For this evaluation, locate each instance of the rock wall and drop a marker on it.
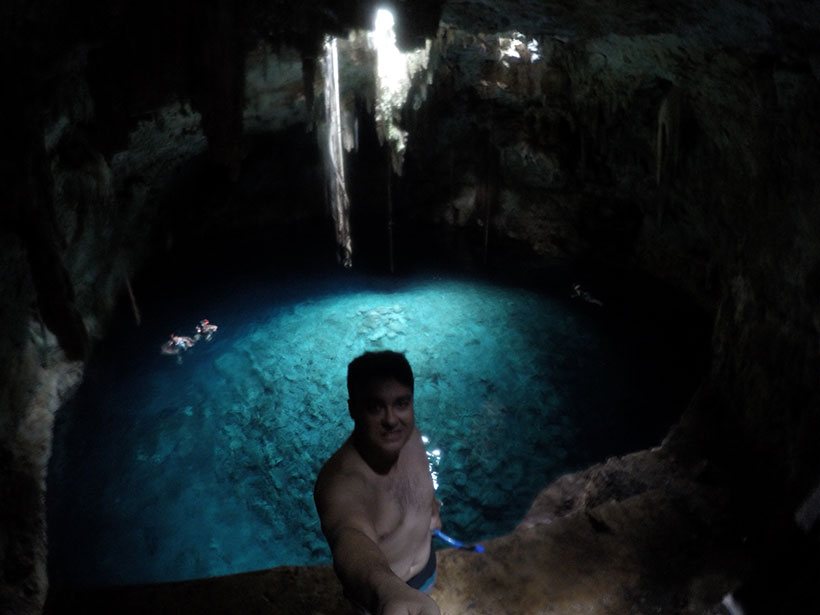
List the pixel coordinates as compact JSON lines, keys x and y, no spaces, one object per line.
{"x":684,"y":148}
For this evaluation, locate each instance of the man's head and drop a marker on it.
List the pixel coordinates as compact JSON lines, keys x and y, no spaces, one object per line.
{"x":373,"y":366}
{"x":380,"y":389}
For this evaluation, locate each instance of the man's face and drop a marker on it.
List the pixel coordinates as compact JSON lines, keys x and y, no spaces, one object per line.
{"x":383,"y":414}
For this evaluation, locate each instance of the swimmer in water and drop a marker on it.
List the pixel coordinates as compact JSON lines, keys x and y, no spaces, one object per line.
{"x":577,"y":292}
{"x":175,"y":344}
{"x":206,"y":328}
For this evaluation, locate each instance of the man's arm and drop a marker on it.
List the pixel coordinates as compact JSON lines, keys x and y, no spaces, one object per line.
{"x":358,"y":561}
{"x":368,"y":579}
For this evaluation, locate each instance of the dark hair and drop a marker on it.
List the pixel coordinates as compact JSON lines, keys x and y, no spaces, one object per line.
{"x":375,"y":366}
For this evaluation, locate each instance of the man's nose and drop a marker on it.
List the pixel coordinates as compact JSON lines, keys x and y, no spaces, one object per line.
{"x":389,"y":417}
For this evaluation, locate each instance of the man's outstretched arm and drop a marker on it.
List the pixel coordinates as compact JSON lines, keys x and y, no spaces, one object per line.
{"x":358,"y":561}
{"x":368,"y":579}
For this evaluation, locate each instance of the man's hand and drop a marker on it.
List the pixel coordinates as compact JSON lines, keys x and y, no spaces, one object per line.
{"x":411,"y":602}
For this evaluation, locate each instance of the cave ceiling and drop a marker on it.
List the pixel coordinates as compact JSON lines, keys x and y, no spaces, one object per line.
{"x":140,"y":56}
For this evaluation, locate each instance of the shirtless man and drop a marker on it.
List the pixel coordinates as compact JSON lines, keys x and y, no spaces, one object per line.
{"x":375,"y":496}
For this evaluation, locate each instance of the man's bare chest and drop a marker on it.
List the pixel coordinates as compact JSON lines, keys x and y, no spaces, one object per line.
{"x":402,"y":499}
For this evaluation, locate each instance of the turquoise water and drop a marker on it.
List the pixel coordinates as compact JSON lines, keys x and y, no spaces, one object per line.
{"x":164,"y":470}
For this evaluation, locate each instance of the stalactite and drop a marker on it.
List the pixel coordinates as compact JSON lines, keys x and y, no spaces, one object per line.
{"x":667,"y":145}
{"x":33,"y":194}
{"x":339,"y":199}
{"x":668,"y":137}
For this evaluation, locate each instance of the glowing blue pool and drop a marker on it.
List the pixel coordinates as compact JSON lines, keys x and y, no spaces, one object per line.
{"x":164,"y":471}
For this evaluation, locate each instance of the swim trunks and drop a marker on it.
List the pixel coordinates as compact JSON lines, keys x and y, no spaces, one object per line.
{"x":426,"y":577}
{"x":423,"y":581}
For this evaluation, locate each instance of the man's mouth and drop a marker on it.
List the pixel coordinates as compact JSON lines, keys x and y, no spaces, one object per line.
{"x":392,"y":436}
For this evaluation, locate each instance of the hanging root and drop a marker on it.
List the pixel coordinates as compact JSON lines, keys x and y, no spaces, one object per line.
{"x":668,"y":136}
{"x":134,"y":307}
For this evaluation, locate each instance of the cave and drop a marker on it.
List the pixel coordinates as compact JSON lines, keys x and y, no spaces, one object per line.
{"x":664,"y":155}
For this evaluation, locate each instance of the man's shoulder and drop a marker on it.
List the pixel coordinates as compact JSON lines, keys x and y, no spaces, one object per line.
{"x":340,"y":491}
{"x":343,"y":469}
{"x":415,"y":446}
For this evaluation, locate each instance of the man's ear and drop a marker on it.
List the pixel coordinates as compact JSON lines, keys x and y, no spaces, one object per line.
{"x":350,"y":409}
